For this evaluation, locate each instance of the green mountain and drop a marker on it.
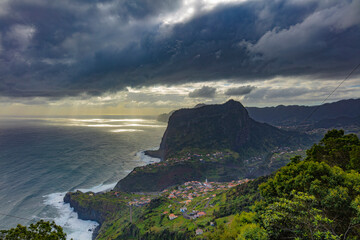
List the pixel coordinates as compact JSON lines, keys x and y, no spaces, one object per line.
{"x":224,"y":126}
{"x":217,"y":142}
{"x":295,"y":114}
{"x":315,"y":198}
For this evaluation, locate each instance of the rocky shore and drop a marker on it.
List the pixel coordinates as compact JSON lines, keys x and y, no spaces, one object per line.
{"x":85,"y":213}
{"x":216,"y":142}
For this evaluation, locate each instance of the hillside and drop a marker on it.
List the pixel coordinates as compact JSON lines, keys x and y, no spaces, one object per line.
{"x":292,"y":115}
{"x":314,"y":198}
{"x":223,"y":126}
{"x":338,"y":122}
{"x":218,"y":142}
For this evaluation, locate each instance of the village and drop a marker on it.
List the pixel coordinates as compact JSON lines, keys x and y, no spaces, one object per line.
{"x":193,"y":200}
{"x":187,"y":192}
{"x":217,"y":156}
{"x":208,"y":157}
{"x":184,"y":199}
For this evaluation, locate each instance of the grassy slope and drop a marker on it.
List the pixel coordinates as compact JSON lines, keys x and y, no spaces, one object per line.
{"x":150,"y":222}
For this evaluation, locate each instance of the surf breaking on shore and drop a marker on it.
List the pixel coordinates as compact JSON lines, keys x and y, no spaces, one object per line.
{"x":76,"y":228}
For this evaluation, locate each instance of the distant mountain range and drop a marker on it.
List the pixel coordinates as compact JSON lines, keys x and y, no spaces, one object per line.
{"x":290,"y":115}
{"x":329,"y":115}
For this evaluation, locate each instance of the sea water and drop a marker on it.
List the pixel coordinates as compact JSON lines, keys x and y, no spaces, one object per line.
{"x":43,"y":158}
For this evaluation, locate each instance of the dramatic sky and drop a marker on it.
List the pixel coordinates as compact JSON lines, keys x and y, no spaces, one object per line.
{"x":152,"y":56}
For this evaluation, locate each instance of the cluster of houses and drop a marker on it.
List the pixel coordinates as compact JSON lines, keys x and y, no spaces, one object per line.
{"x":194,"y":214}
{"x":186,"y":157}
{"x":188,"y":215}
{"x":189,"y":190}
{"x":193,"y":189}
{"x":200,"y":157}
{"x":140,"y":202}
{"x":282,"y":151}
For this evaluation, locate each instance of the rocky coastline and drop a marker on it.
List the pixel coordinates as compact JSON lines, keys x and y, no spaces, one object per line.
{"x":85,"y":213}
{"x":215,"y":142}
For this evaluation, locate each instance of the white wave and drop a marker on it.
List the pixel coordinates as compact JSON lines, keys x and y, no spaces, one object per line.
{"x":99,"y":188}
{"x":145,"y":158}
{"x":75,"y":228}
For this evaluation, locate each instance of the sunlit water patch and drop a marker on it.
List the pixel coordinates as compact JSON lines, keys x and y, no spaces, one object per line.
{"x":48,"y":157}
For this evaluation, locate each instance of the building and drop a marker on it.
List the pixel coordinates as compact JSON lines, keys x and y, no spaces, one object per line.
{"x":200,"y":214}
{"x":199,"y":231}
{"x":172,"y":216}
{"x":183,"y":209}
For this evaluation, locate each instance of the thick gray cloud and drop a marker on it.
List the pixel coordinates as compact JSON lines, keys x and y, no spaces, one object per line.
{"x":282,"y":93}
{"x":204,"y":92}
{"x":67,"y":48}
{"x":239,"y":91}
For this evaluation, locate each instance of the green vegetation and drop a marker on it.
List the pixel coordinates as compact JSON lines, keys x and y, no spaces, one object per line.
{"x":194,"y":135}
{"x":315,"y":198}
{"x":41,"y":230}
{"x":187,"y":165}
{"x":281,"y":158}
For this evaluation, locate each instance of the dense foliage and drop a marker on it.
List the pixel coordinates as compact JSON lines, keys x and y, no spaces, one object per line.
{"x":41,"y":230}
{"x":317,"y":198}
{"x":241,"y":198}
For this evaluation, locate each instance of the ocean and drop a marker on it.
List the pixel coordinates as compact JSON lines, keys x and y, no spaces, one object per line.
{"x":43,"y":158}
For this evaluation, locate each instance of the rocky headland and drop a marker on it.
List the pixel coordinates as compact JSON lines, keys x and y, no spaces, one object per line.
{"x":219,"y":143}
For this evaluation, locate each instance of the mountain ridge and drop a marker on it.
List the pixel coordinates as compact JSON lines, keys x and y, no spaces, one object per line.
{"x":294,"y":114}
{"x":282,"y":115}
{"x":225,"y":125}
{"x":194,"y":135}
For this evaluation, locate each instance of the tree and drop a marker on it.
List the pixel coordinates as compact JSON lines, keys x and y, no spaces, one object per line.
{"x":337,"y":149}
{"x":322,"y":192}
{"x":41,"y":230}
{"x":297,"y":218}
{"x":242,"y":227}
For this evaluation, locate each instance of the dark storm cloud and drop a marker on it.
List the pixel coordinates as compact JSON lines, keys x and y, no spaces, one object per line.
{"x":66,"y":48}
{"x":283,"y":93}
{"x":239,"y":91}
{"x":204,"y":92}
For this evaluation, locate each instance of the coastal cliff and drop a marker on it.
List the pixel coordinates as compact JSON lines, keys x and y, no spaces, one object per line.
{"x":100,"y":207}
{"x":223,"y":126}
{"x":84,"y":211}
{"x":245,"y":145}
{"x":212,"y":210}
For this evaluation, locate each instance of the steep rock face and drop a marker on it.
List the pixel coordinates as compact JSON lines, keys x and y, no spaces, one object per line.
{"x":207,"y":129}
{"x":225,"y":126}
{"x":84,"y":213}
{"x":96,"y":207}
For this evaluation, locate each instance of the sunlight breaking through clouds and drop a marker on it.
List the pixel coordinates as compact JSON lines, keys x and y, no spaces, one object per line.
{"x":148,"y":57}
{"x":191,"y":8}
